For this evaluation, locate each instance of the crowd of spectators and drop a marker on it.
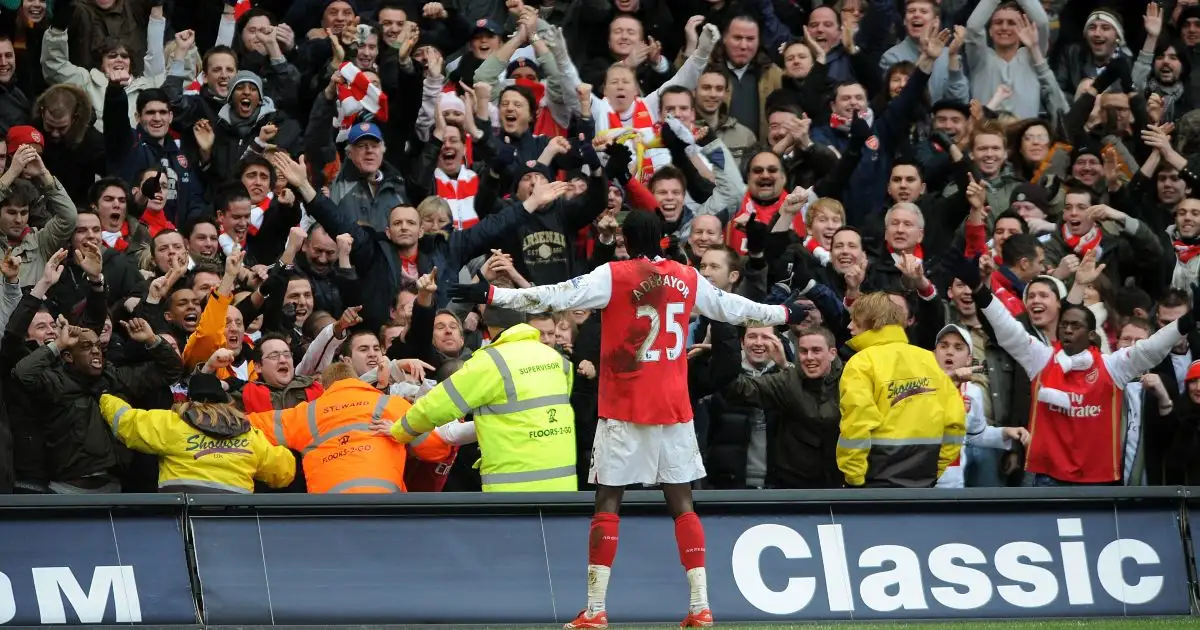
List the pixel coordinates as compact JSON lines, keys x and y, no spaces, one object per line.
{"x":262,"y":189}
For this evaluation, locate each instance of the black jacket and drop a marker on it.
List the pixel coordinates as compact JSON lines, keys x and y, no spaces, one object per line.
{"x":379,"y":265}
{"x":802,"y":431}
{"x":333,"y":290}
{"x":230,"y":145}
{"x":130,"y":151}
{"x":23,"y":416}
{"x":78,"y":440}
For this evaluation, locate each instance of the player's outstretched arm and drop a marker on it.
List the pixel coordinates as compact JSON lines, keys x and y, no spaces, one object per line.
{"x":714,"y":303}
{"x":590,"y":291}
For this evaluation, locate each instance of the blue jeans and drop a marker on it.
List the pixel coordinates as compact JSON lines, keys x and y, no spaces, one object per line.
{"x":983,"y":468}
{"x":1038,"y":480}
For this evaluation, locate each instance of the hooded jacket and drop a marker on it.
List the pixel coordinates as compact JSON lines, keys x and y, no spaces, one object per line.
{"x":903,"y":420}
{"x":193,"y":461}
{"x":78,"y":441}
{"x":236,"y":136}
{"x":78,"y":159}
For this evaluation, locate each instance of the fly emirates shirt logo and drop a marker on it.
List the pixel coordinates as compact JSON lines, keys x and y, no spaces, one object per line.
{"x":1078,"y":409}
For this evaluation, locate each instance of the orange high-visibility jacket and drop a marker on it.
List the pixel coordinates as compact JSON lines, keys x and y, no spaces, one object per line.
{"x":341,"y":455}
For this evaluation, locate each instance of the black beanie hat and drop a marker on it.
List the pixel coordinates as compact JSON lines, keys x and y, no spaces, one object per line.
{"x":206,"y":388}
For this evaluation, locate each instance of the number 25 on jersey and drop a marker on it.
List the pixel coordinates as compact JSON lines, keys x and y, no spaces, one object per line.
{"x":650,"y":350}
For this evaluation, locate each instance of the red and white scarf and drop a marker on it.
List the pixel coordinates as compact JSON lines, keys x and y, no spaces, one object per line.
{"x":918,"y":251}
{"x":356,"y":96}
{"x":1185,"y":251}
{"x":118,"y":240}
{"x":818,"y":252}
{"x":193,"y":88}
{"x":459,"y":193}
{"x":154,"y":220}
{"x":13,"y":242}
{"x":257,"y":212}
{"x":736,"y":239}
{"x":839,"y":122}
{"x":1084,"y":243}
{"x":643,"y":121}
{"x":227,"y":243}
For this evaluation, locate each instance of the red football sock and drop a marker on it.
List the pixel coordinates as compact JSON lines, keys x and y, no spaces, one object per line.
{"x":689,"y":535}
{"x":602,"y":539}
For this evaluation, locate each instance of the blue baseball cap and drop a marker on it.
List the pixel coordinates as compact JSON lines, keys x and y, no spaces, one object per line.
{"x":364,"y":130}
{"x":490,"y":26}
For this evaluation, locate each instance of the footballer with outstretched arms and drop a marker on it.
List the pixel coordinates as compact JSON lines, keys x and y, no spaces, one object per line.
{"x":646,"y":439}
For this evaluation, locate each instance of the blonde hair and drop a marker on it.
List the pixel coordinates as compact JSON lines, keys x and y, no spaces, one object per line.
{"x":192,"y":63}
{"x":874,"y":311}
{"x":432,"y":205}
{"x":827,"y":205}
{"x":338,"y":371}
{"x":203,"y":408}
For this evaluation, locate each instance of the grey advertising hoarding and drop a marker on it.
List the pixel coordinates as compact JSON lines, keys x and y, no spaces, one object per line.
{"x":833,"y":565}
{"x":94,"y":570}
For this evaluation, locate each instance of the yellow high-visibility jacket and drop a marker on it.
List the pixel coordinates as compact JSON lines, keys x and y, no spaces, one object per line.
{"x":191,"y":460}
{"x":903,"y":419}
{"x":519,"y":391}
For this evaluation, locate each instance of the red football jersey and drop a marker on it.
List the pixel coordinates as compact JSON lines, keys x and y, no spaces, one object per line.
{"x":643,"y":342}
{"x":1081,"y":444}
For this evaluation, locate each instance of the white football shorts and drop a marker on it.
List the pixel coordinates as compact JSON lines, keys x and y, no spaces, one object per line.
{"x":626,"y":453}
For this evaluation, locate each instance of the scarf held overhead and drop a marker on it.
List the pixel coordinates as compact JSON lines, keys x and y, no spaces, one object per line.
{"x":356,"y":96}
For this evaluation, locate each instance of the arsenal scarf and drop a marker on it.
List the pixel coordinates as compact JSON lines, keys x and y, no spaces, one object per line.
{"x":193,"y":88}
{"x":154,"y":220}
{"x":1187,"y":248}
{"x":919,"y":252}
{"x":1084,"y":243}
{"x":818,"y":252}
{"x":257,"y":212}
{"x":841,"y":122}
{"x":642,"y":121}
{"x":763,"y":213}
{"x":356,"y":96}
{"x":13,"y":242}
{"x":117,"y":240}
{"x":459,"y":194}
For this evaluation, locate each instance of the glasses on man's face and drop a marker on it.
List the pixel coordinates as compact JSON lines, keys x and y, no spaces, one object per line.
{"x":1036,"y":137}
{"x":117,"y":55}
{"x":275,"y":356}
{"x":759,"y":170}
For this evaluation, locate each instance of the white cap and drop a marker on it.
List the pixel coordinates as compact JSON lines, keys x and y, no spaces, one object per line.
{"x":962,"y":332}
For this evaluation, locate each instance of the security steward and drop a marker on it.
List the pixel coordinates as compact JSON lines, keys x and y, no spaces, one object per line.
{"x":903,"y":419}
{"x":333,"y":433}
{"x":518,"y":390}
{"x":205,"y":444}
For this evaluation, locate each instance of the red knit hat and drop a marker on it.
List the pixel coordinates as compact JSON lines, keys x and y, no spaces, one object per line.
{"x":1193,"y":372}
